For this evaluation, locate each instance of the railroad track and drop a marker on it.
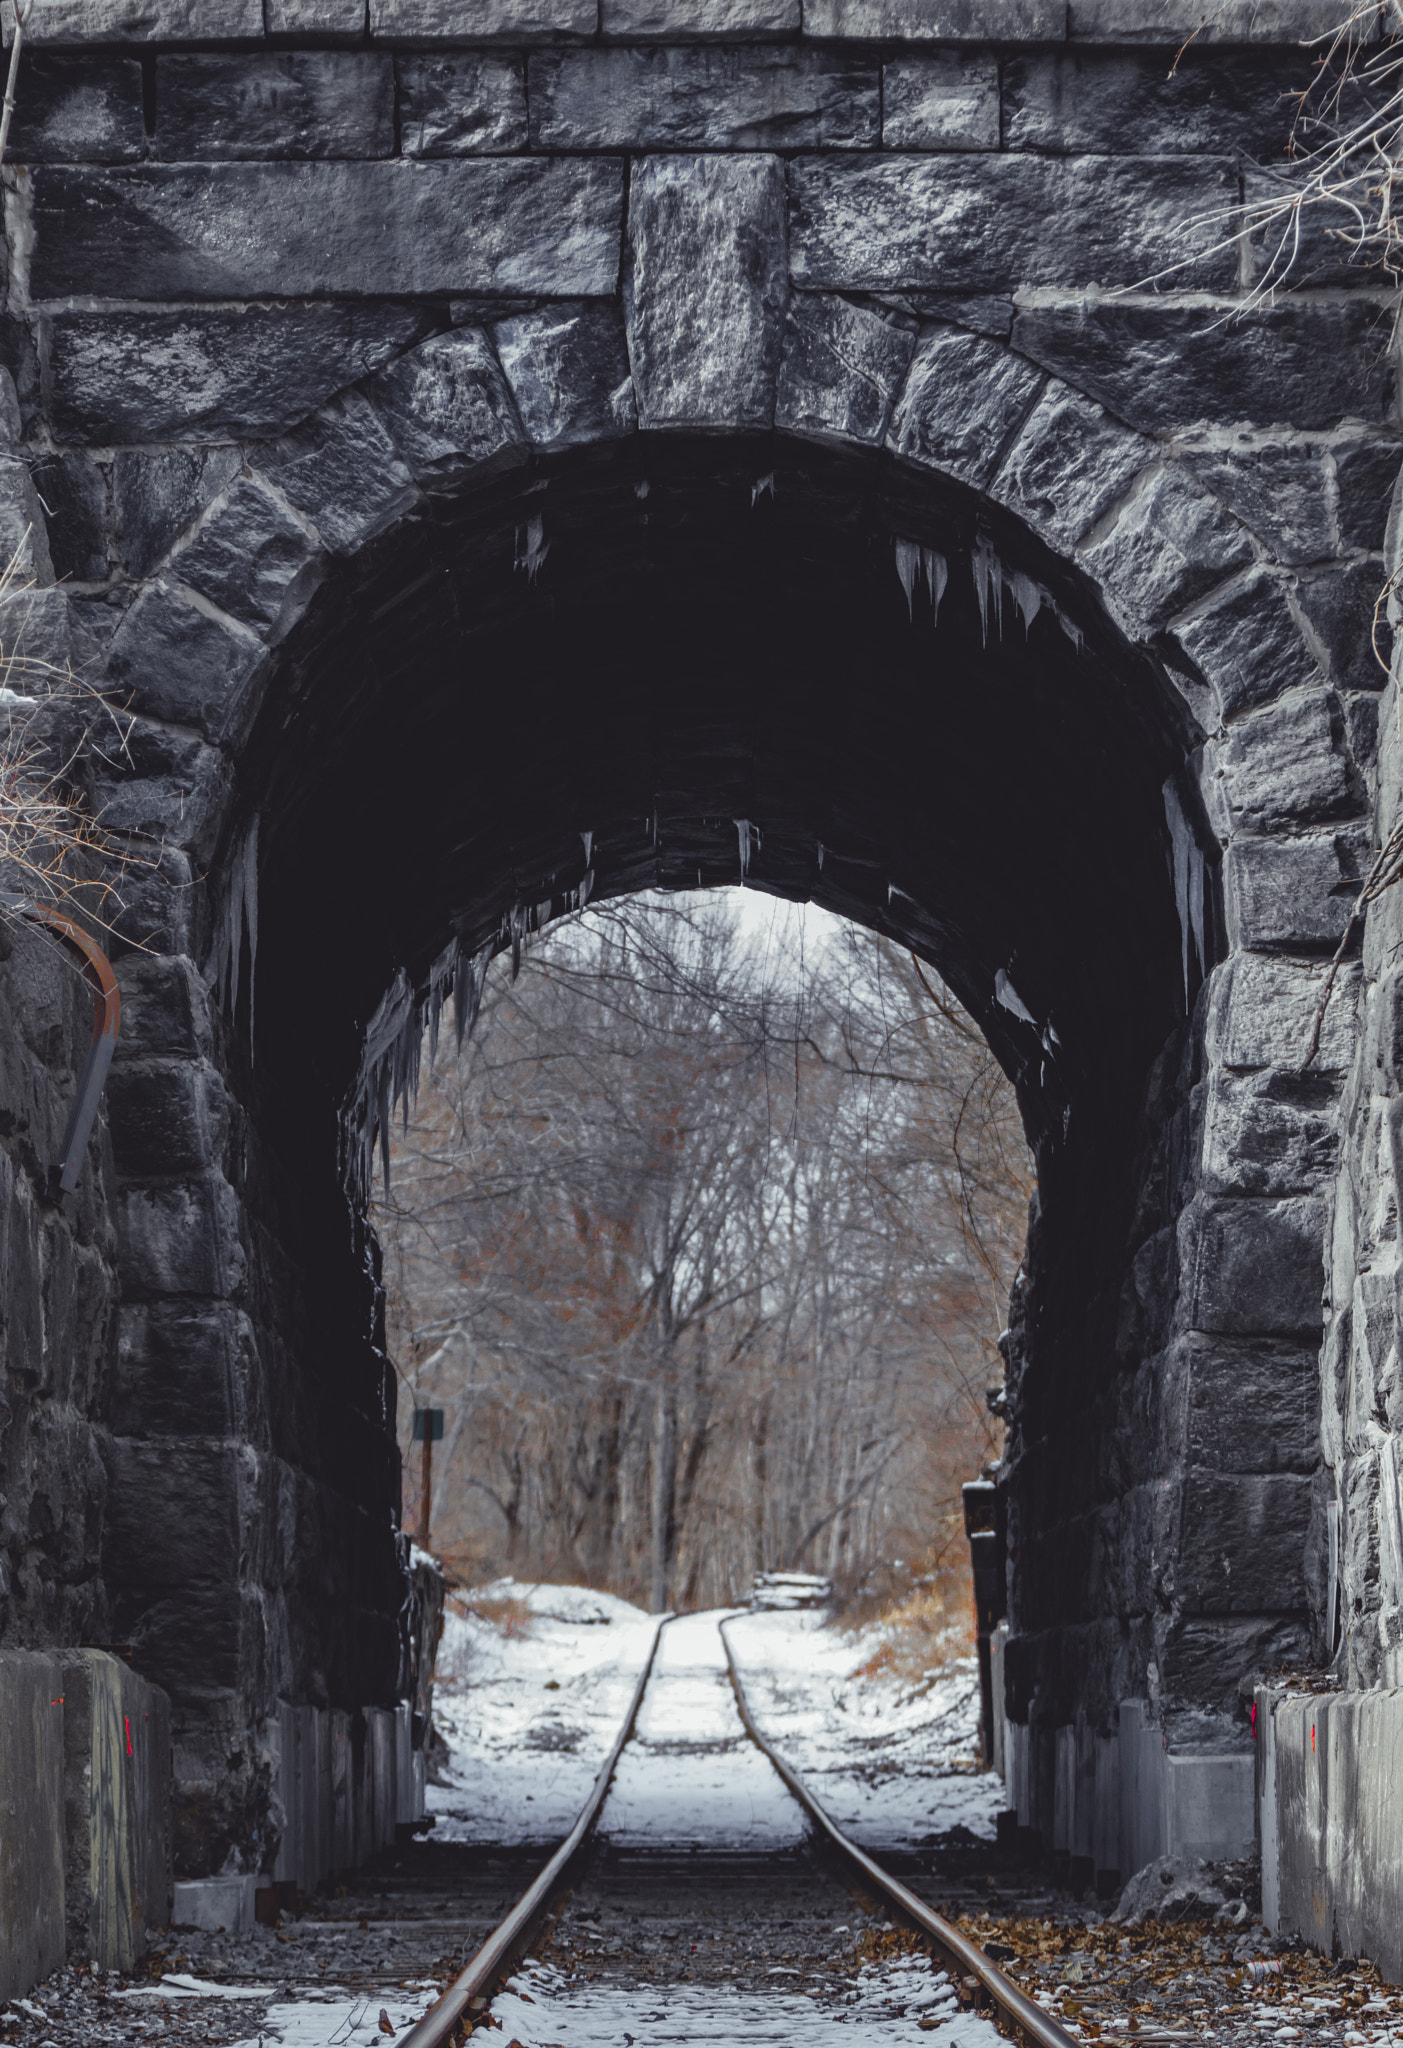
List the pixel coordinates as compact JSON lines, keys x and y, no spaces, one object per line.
{"x":981,"y":1983}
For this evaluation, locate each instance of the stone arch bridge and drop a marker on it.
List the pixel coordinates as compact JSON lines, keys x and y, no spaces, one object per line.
{"x":505,"y":450}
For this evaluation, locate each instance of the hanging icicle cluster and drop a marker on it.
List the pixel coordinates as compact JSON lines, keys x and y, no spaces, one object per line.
{"x":238,"y":913}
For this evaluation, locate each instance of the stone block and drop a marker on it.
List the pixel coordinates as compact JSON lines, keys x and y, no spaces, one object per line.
{"x":182,"y":1370}
{"x":1110,"y":102}
{"x":1169,"y":544}
{"x":1366,"y":472}
{"x":32,"y":1931}
{"x":1260,"y":1012}
{"x":175,"y":661}
{"x":950,"y":101}
{"x":1253,"y":1405}
{"x":344,"y":19}
{"x":288,"y":104}
{"x":165,"y":1117}
{"x":569,"y":375}
{"x":117,"y":1799}
{"x":360,"y":230}
{"x":1253,"y":1268}
{"x":157,"y":494}
{"x":841,"y":370}
{"x":1278,"y":489}
{"x":449,"y":411}
{"x":1294,"y":893}
{"x":1303,"y":363}
{"x":23,"y":538}
{"x":962,"y":400}
{"x":252,"y":559}
{"x":937,"y":21}
{"x":483,"y":21}
{"x":1270,"y":1133}
{"x":706,"y":289}
{"x":151,"y":377}
{"x":1066,"y":465}
{"x":74,"y":494}
{"x":157,"y":907}
{"x":59,"y":23}
{"x":698,"y":20}
{"x":218,"y":1905}
{"x":165,"y":1008}
{"x":83,"y":110}
{"x":344,"y":472}
{"x":699,"y":97}
{"x":1339,"y":606}
{"x":1000,"y":222}
{"x":1284,"y":764}
{"x":1172,"y":22}
{"x":181,"y":1238}
{"x":1246,"y":643}
{"x":461,"y":103}
{"x":1242,"y":1543}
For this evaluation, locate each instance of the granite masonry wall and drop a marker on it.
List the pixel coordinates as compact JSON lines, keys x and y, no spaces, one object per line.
{"x":506,"y":453}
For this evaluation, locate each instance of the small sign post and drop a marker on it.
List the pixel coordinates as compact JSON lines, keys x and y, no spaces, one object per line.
{"x":428,"y":1430}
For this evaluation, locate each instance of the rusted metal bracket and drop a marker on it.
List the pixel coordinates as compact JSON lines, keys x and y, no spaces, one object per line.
{"x":107,"y":1017}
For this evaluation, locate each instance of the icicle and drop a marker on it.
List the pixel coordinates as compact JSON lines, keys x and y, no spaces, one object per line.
{"x":543,"y":913}
{"x":821,"y":851}
{"x":908,"y":557}
{"x":937,"y":573}
{"x":1028,"y":597}
{"x":587,"y":841}
{"x":640,"y":489}
{"x":537,"y":547}
{"x":763,"y":485}
{"x":988,"y":586}
{"x":586,"y":887}
{"x":1073,"y":633}
{"x":917,"y":564}
{"x":1186,"y":870}
{"x":893,"y":892}
{"x":745,"y":832}
{"x":1006,"y":994}
{"x":516,"y":932}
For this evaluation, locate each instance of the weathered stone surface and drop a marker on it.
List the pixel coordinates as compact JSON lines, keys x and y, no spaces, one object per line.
{"x":172,"y":661}
{"x":158,"y":376}
{"x":1170,"y":544}
{"x":936,"y":21}
{"x":842,"y":368}
{"x":1284,"y":763}
{"x":962,"y":399}
{"x":182,"y":1368}
{"x":79,"y":111}
{"x":1067,"y":464}
{"x":568,"y":371}
{"x":166,"y":1117}
{"x":342,"y":18}
{"x":157,"y":495}
{"x":1101,"y":102}
{"x":461,"y":103}
{"x":297,"y":103}
{"x":253,"y":560}
{"x":455,"y":21}
{"x":988,"y":225}
{"x":60,"y":22}
{"x":1365,"y":475}
{"x":74,"y":496}
{"x":945,"y":102}
{"x":706,"y":289}
{"x":180,"y":1238}
{"x":1273,"y":1133}
{"x":736,"y":20}
{"x":23,"y":538}
{"x":1260,"y":1013}
{"x":1248,"y":645}
{"x":1253,"y":1405}
{"x":1295,"y":892}
{"x":1162,"y":367}
{"x":165,"y":1009}
{"x":449,"y":410}
{"x":173,"y":1544}
{"x":1279,"y":490}
{"x":1339,"y":606}
{"x":1174,"y":21}
{"x":702,"y":98}
{"x":344,"y":472}
{"x":1244,"y":1542}
{"x":228,"y":231}
{"x":1253,"y":1267}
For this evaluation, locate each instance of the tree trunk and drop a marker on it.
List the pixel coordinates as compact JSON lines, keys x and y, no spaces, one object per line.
{"x":664,"y":1494}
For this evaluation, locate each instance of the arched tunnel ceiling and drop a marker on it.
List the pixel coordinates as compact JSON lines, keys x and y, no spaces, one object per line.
{"x":655,"y":644}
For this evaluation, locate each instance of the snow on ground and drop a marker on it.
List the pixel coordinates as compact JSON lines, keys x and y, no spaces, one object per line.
{"x":333,"y":2020}
{"x":529,"y":1711}
{"x":692,"y":1777}
{"x":892,"y":1763}
{"x":542,"y":2009}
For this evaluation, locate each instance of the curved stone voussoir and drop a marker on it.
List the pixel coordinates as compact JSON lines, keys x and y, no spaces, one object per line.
{"x":568,"y":370}
{"x":1284,"y":764}
{"x":962,"y":400}
{"x":1169,"y":543}
{"x":706,"y":290}
{"x":1246,"y":643}
{"x":176,"y":659}
{"x":1068,"y":462}
{"x":449,"y":411}
{"x":253,"y":559}
{"x":842,"y":368}
{"x":344,"y":472}
{"x":166,"y":785}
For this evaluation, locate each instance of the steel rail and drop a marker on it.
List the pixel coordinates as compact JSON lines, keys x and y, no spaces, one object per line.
{"x":107,"y":1019}
{"x":1034,"y":2024}
{"x":508,"y":1941}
